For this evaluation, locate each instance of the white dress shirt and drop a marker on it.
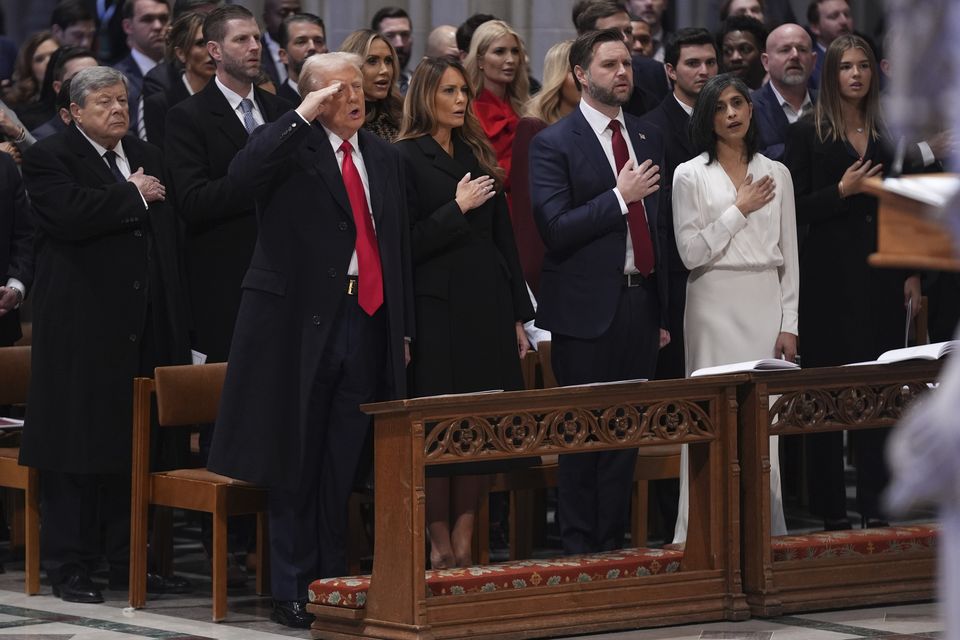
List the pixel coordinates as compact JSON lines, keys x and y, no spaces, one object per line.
{"x":792,"y":114}
{"x":600,"y":124}
{"x":234,"y":99}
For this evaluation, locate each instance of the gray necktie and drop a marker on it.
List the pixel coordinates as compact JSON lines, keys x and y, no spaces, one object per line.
{"x":246,"y":106}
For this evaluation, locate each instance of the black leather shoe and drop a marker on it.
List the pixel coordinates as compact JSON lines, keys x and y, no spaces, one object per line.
{"x":156,"y":583}
{"x":840,"y":524}
{"x":78,"y":587}
{"x":874,"y":523}
{"x":292,"y":613}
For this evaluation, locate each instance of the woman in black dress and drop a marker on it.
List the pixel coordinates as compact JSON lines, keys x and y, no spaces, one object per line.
{"x":849,"y":311}
{"x":471,"y":300}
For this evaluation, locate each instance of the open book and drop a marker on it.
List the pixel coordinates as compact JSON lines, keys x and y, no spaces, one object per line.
{"x":768,"y":364}
{"x":922,"y":352}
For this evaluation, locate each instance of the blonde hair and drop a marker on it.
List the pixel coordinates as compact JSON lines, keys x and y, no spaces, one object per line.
{"x":518,"y":91}
{"x":547,"y":104}
{"x":359,"y":42}
{"x":420,"y":118}
{"x":828,"y":114}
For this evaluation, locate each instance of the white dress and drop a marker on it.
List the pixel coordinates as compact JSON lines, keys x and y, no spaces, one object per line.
{"x":744,"y":285}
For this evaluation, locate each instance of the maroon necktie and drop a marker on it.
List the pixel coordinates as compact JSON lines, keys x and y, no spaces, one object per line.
{"x":636,"y":213}
{"x":368,"y":255}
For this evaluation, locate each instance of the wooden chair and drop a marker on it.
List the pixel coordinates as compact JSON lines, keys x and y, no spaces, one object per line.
{"x":187,"y":395}
{"x":14,"y":383}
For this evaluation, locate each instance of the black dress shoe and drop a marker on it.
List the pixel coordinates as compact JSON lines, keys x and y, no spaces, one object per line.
{"x":78,"y":587}
{"x":156,"y":583}
{"x":873,"y":523}
{"x":838,"y":524}
{"x":292,"y":613}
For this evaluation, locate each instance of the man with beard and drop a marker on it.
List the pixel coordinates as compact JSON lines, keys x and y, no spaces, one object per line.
{"x":594,"y":182}
{"x":828,"y":20}
{"x":740,"y":42}
{"x":789,"y":61}
{"x":204,"y":133}
{"x":394,"y":24}
{"x":145,"y":23}
{"x":301,"y":36}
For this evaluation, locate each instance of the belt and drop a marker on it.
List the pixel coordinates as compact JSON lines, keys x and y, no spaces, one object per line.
{"x":353,"y":285}
{"x":635,"y":279}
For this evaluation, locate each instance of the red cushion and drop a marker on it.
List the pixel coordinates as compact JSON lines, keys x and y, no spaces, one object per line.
{"x":351,"y":592}
{"x":854,"y":542}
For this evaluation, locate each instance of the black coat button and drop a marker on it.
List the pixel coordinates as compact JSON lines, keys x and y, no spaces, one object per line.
{"x":136,"y":285}
{"x":332,"y":272}
{"x":138,"y":233}
{"x":316,"y":320}
{"x":342,"y":226}
{"x":133,"y":337}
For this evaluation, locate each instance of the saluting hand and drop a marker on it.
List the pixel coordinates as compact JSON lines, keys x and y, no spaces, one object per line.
{"x":316,"y":102}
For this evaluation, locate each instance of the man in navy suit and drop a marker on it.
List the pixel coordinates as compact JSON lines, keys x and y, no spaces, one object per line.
{"x":594,"y":182}
{"x":326,"y":307}
{"x":145,"y":23}
{"x":789,"y":61}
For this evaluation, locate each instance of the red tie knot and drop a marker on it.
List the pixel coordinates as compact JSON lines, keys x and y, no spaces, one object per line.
{"x":346,"y":147}
{"x":614,"y":125}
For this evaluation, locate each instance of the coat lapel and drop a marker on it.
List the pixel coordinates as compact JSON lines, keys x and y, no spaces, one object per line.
{"x":220,"y":109}
{"x":318,"y":155}
{"x":442,"y":161}
{"x":374,"y":163}
{"x":586,"y":140}
{"x":100,"y":173}
{"x":680,"y":122}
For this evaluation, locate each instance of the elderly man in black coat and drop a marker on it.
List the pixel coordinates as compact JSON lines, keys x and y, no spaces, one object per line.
{"x":325,"y":311}
{"x":106,"y":309}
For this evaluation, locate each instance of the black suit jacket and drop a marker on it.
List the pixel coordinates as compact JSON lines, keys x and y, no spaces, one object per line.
{"x":771,"y":122}
{"x":650,"y":85}
{"x":16,"y":241}
{"x":582,"y":226}
{"x":155,"y":108}
{"x":103,"y":262}
{"x":128,"y":67}
{"x":202,"y":136}
{"x":294,"y":287}
{"x":286,"y":92}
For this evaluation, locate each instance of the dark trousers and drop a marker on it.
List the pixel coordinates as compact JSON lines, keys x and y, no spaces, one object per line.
{"x":595,"y":488}
{"x":78,"y":511}
{"x":826,"y":482}
{"x":308,"y":525}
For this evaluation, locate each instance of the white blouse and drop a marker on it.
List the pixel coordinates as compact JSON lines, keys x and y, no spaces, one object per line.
{"x":712,"y":233}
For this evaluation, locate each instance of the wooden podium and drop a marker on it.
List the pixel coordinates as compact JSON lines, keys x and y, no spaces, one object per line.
{"x":908,"y":235}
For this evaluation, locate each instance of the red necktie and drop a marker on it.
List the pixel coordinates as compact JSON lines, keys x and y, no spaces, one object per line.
{"x":368,"y":255}
{"x":636,"y":212}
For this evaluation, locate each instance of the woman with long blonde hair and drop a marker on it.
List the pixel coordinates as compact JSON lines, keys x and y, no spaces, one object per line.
{"x":380,"y":69}
{"x":496,"y":67}
{"x":470,"y":299}
{"x":849,"y":312}
{"x":558,"y":97}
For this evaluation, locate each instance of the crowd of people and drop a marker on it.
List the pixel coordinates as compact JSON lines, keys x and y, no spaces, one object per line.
{"x":351,"y":226}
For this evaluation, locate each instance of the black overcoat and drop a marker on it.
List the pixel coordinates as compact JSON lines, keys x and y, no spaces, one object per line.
{"x":93,"y":287}
{"x":16,"y":242}
{"x":294,"y":288}
{"x":468,"y":281}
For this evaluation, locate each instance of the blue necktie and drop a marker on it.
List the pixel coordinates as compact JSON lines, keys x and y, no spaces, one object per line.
{"x":246,"y":106}
{"x":111,"y":157}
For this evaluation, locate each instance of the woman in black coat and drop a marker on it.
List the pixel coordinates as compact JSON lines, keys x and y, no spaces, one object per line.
{"x":471,"y":299}
{"x":849,"y":311}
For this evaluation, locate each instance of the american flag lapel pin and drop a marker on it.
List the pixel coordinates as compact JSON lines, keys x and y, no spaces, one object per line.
{"x":642,"y":137}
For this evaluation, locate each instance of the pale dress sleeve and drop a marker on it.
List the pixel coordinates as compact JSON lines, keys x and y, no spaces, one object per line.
{"x":789,"y":271}
{"x":701,"y":235}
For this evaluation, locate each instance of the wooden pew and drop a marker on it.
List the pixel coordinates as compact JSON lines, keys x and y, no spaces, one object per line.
{"x":402,"y":601}
{"x":833,"y":570}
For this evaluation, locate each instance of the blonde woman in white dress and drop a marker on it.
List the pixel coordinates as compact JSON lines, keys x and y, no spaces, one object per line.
{"x":735,"y":223}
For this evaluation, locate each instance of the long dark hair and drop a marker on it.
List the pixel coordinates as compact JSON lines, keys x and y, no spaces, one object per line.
{"x":702,"y":133}
{"x":420,"y":119}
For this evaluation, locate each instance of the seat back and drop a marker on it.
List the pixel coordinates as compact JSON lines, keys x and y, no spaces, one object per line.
{"x":188,"y":394}
{"x":14,"y":375}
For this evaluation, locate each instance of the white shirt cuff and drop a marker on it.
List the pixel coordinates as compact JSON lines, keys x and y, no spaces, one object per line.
{"x":623,"y":203}
{"x":926,"y":153}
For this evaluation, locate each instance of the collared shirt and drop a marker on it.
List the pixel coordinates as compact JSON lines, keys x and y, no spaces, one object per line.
{"x":234,"y":99}
{"x":683,"y":105}
{"x":273,"y":48}
{"x":186,"y":83}
{"x":144,"y":62}
{"x":293,"y":85}
{"x":600,"y":124}
{"x":122,"y":163}
{"x":354,"y":140}
{"x":792,"y":114}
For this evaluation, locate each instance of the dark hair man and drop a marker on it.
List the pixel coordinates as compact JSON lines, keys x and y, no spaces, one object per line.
{"x":394,"y":24}
{"x":594,"y":183}
{"x":301,"y":36}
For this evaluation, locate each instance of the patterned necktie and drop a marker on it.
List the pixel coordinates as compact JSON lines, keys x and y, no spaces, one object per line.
{"x":246,"y":106}
{"x":636,"y":212}
{"x":368,"y":255}
{"x":111,"y":158}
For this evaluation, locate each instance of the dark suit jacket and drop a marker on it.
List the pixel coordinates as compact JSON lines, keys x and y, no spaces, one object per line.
{"x":155,"y":108}
{"x":128,"y":67}
{"x":16,"y":241}
{"x":286,"y":92}
{"x":650,"y":85}
{"x":582,"y":226}
{"x":202,"y":136}
{"x":103,"y":261}
{"x":293,"y":289}
{"x":267,"y":63}
{"x":771,"y":122}
{"x":48,"y":128}
{"x":161,"y":78}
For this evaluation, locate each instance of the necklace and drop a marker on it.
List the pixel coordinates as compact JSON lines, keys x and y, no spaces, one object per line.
{"x":859,"y":129}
